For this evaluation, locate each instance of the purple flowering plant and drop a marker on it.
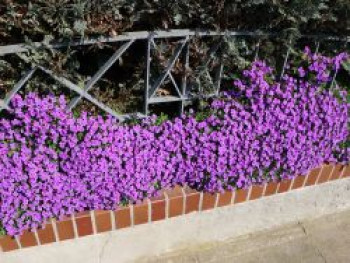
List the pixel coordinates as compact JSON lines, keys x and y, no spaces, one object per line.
{"x":55,"y":164}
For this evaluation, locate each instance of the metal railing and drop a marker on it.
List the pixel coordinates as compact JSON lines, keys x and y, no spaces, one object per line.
{"x":151,"y":87}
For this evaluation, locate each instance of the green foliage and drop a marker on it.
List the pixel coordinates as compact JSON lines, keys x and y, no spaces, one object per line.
{"x":77,"y":18}
{"x":124,"y":202}
{"x":204,"y":114}
{"x":161,"y":118}
{"x":2,"y":230}
{"x":157,"y":185}
{"x":65,"y":20}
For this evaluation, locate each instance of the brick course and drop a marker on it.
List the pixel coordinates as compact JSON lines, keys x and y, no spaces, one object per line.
{"x":171,"y":203}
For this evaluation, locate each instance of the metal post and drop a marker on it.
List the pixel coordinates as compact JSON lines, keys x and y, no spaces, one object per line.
{"x":168,"y":69}
{"x":317,"y":46}
{"x":184,"y":79}
{"x":147,"y":75}
{"x":257,"y":49}
{"x":336,"y":70}
{"x":286,"y":59}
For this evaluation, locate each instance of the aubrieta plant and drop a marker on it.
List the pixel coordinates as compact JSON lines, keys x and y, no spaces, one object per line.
{"x":54,"y":164}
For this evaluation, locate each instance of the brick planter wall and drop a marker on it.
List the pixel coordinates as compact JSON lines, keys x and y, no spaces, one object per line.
{"x":176,"y":202}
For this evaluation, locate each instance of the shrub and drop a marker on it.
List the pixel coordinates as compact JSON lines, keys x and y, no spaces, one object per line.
{"x":54,"y":164}
{"x":37,"y":19}
{"x":42,"y":20}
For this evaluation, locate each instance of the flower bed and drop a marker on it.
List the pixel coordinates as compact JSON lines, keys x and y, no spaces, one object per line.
{"x":171,"y":203}
{"x":55,"y":164}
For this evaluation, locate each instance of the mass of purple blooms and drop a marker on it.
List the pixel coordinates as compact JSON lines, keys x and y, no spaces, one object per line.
{"x":54,"y":164}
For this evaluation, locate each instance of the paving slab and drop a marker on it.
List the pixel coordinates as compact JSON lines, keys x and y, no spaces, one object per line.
{"x":324,"y":239}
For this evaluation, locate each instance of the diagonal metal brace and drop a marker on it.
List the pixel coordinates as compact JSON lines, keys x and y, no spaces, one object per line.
{"x":3,"y":106}
{"x":16,"y":88}
{"x":171,"y":64}
{"x":335,"y":72}
{"x":212,"y":52}
{"x":170,"y":75}
{"x":203,"y":69}
{"x":67,"y":83}
{"x":218,"y":78}
{"x":101,"y":72}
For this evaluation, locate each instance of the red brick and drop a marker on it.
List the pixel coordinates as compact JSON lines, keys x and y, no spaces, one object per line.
{"x":175,"y":206}
{"x":284,"y":186}
{"x":84,"y":225}
{"x":46,"y":234}
{"x":7,"y":243}
{"x":225,"y":198}
{"x":346,"y":172}
{"x":208,"y":201}
{"x":312,"y":177}
{"x":192,"y":202}
{"x":241,"y":195}
{"x":103,"y":221}
{"x":271,"y":188}
{"x":189,"y":190}
{"x":65,"y":229}
{"x":176,"y":199}
{"x":298,"y":182}
{"x":122,"y":217}
{"x":141,"y":213}
{"x":325,"y":173}
{"x":337,"y":171}
{"x":158,"y":210}
{"x":257,"y":191}
{"x":27,"y":239}
{"x":177,"y":191}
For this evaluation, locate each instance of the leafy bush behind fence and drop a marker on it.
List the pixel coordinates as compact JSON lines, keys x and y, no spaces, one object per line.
{"x":72,"y":18}
{"x":122,"y":88}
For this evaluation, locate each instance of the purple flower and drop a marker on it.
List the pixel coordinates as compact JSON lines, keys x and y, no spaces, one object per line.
{"x":301,"y":72}
{"x":53,"y":164}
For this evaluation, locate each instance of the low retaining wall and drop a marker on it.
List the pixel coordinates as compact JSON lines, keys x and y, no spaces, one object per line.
{"x":177,"y":202}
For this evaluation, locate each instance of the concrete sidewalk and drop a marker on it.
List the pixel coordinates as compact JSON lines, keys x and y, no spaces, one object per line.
{"x":325,"y":239}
